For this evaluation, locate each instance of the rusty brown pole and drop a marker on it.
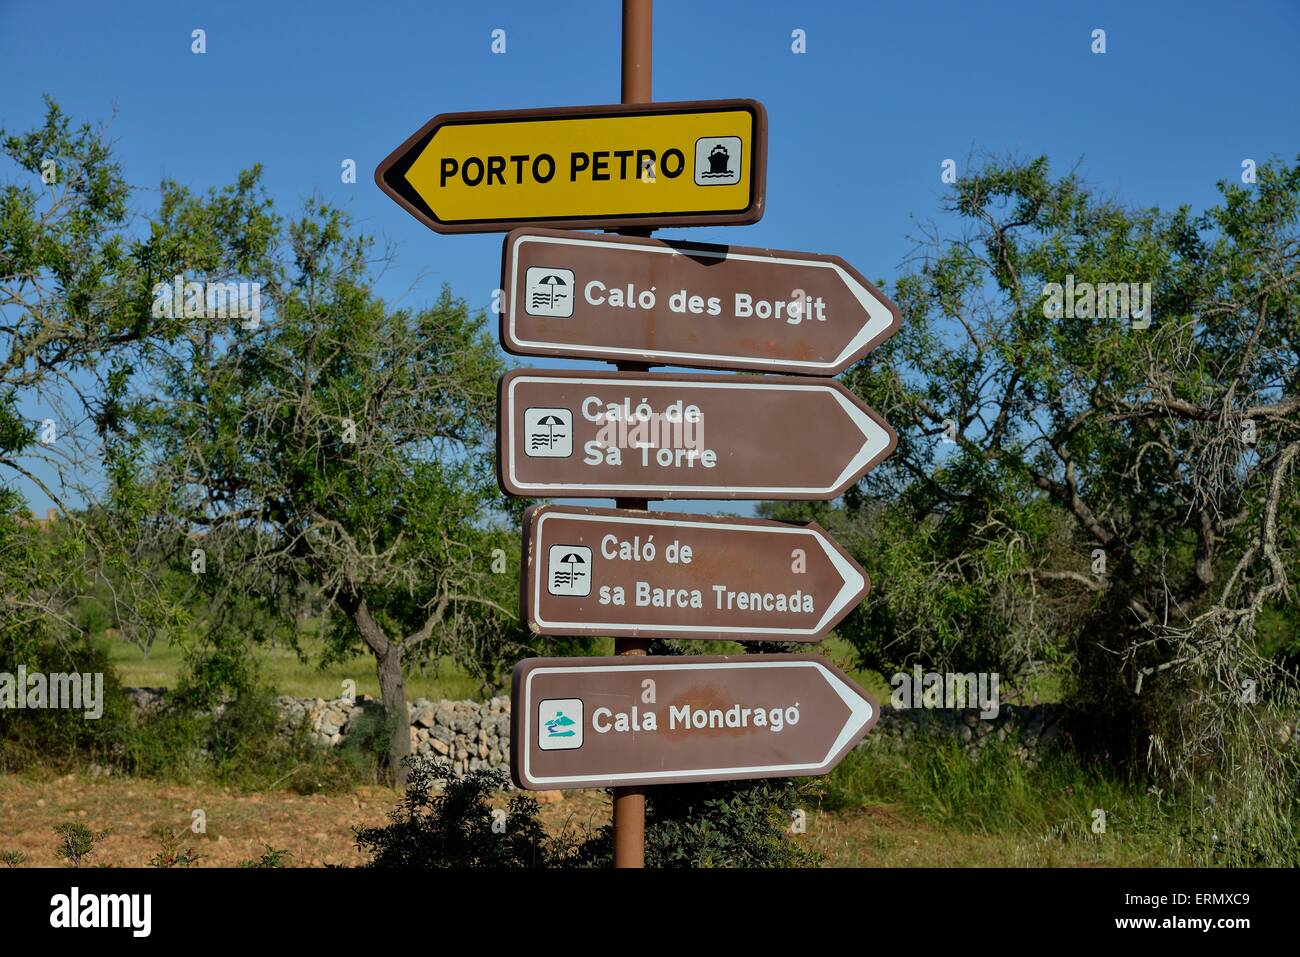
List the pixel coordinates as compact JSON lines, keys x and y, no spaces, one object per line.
{"x":638,"y":32}
{"x":629,"y":803}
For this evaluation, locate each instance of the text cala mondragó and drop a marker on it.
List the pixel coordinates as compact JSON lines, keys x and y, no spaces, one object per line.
{"x":685,"y":718}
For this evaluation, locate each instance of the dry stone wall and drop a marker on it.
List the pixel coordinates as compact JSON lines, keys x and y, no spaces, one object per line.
{"x":467,"y":734}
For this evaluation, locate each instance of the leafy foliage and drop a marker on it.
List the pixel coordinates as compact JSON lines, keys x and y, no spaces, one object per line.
{"x":729,"y":824}
{"x":77,"y":842}
{"x":1106,"y":496}
{"x":74,"y":311}
{"x":171,"y":853}
{"x":334,"y":453}
{"x":271,"y":858}
{"x":446,"y":821}
{"x":63,"y":735}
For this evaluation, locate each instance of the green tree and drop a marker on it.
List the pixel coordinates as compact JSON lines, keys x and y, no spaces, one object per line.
{"x":68,"y":305}
{"x":74,"y":311}
{"x":329,"y":446}
{"x":74,"y":317}
{"x":1106,"y":494}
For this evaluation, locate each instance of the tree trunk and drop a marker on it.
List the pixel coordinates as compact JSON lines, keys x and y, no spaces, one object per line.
{"x":392,"y":691}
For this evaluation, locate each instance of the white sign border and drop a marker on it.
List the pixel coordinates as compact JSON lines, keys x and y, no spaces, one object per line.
{"x":852,"y":580}
{"x":876,"y":438}
{"x":879,"y":317}
{"x":860,"y":714}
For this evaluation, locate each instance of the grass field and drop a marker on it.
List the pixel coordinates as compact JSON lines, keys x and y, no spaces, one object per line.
{"x":288,"y":674}
{"x":1059,"y":813}
{"x":305,"y":679}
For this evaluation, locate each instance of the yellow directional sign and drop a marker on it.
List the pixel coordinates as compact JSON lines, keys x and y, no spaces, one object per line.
{"x":654,"y":164}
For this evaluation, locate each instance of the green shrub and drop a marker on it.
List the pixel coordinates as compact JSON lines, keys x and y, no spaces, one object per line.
{"x":446,"y":821}
{"x":76,"y":842}
{"x":271,"y":857}
{"x":60,"y":736}
{"x":92,"y":617}
{"x":730,"y":824}
{"x":171,"y":853}
{"x":727,"y":824}
{"x":241,"y":744}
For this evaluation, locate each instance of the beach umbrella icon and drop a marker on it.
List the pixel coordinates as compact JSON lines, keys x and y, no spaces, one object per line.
{"x":547,"y":291}
{"x":550,"y":421}
{"x":571,"y":561}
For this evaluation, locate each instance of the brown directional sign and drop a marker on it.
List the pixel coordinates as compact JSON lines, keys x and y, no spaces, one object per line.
{"x":648,"y":164}
{"x":617,"y":298}
{"x":631,"y":720}
{"x":654,"y":435}
{"x":599,"y":571}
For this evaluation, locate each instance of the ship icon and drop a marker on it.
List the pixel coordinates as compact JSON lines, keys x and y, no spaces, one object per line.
{"x":719,"y":163}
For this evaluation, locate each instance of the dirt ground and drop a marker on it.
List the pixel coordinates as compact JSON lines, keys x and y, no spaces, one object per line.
{"x":318,"y":829}
{"x":315,"y":829}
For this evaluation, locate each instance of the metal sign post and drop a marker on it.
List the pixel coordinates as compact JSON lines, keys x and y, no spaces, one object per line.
{"x":629,"y":800}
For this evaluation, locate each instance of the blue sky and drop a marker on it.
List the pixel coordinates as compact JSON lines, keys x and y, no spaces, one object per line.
{"x":859,"y":124}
